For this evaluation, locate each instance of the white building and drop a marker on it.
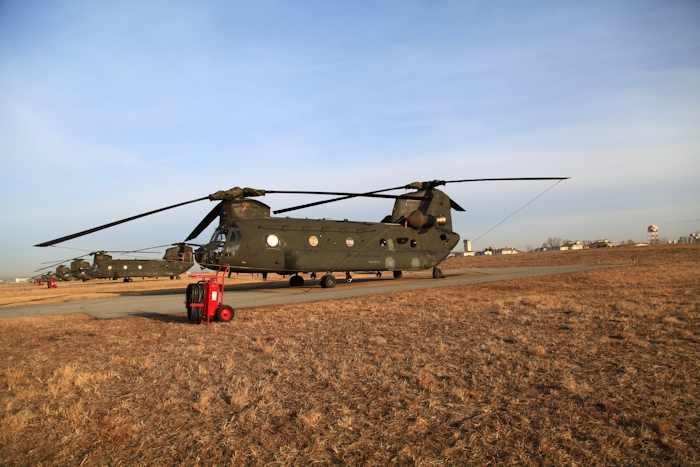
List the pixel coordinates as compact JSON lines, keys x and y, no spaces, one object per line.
{"x":467,"y":245}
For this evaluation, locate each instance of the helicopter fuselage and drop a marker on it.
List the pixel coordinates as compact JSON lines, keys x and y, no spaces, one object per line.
{"x":290,"y":246}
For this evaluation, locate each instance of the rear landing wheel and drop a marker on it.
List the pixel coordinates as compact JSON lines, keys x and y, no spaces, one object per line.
{"x":328,"y":282}
{"x":398,"y":274}
{"x":437,"y":273}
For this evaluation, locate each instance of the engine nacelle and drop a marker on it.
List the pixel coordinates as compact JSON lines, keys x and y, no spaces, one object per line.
{"x":418,"y":220}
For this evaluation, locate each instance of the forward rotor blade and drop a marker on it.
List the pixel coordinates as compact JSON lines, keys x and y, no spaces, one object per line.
{"x":112,"y":224}
{"x":325,"y":201}
{"x":371,"y":194}
{"x":349,"y":195}
{"x":208,"y":219}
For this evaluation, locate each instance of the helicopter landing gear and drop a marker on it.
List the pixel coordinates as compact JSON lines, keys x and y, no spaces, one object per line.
{"x":379,"y":274}
{"x":128,"y":279}
{"x":328,"y":282}
{"x":437,"y":273}
{"x":313,"y":276}
{"x":172,"y":278}
{"x":348,"y":277}
{"x":264,"y":276}
{"x":296,"y":281}
{"x":398,"y":274}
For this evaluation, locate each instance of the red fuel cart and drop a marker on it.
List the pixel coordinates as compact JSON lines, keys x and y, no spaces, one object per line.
{"x":205,"y":299}
{"x":51,"y":284}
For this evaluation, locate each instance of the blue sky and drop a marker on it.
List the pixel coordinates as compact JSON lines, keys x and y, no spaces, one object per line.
{"x":109,"y":109}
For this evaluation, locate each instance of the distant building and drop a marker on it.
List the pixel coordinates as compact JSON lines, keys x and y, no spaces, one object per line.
{"x":692,"y":238}
{"x":484,"y":253}
{"x":506,"y":251}
{"x":573,"y":245}
{"x":467,"y":245}
{"x":601,"y":244}
{"x":469,"y":253}
{"x":19,"y":280}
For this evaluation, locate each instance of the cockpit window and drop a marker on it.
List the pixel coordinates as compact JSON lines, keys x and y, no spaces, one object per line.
{"x":219,"y":236}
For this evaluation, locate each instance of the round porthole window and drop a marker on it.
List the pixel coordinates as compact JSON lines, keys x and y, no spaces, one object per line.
{"x":413,"y":243}
{"x":272,"y":240}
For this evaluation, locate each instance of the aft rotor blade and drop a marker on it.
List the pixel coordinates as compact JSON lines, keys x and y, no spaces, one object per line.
{"x":505,"y":179}
{"x":112,"y":224}
{"x":208,"y":219}
{"x":456,"y":206}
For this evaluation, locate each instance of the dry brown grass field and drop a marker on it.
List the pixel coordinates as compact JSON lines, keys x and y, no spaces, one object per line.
{"x":591,"y":368}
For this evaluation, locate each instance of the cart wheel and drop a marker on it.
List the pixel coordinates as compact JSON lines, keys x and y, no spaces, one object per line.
{"x":224,"y":313}
{"x":195,"y":314}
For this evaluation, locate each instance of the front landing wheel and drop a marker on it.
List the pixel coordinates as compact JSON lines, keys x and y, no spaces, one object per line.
{"x":437,"y":273}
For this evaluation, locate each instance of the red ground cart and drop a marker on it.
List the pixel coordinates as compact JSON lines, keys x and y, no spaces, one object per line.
{"x":205,"y":299}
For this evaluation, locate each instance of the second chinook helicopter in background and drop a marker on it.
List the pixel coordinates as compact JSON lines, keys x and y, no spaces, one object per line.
{"x":417,"y":235}
{"x":176,"y":261}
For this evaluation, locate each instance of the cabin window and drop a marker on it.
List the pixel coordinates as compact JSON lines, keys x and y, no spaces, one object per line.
{"x":413,"y":243}
{"x":402,"y":241}
{"x":272,"y":240}
{"x":382,"y":242}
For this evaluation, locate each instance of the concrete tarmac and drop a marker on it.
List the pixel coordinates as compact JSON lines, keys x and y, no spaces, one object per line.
{"x":279,"y":293}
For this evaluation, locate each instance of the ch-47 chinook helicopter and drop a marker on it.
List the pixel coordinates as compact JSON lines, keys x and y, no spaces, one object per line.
{"x":177,"y":259}
{"x":417,"y":235}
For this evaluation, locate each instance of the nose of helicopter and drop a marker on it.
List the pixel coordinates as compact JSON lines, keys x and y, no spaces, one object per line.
{"x":209,"y":254}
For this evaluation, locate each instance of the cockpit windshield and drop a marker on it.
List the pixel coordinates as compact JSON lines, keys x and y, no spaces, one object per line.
{"x":219,"y":236}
